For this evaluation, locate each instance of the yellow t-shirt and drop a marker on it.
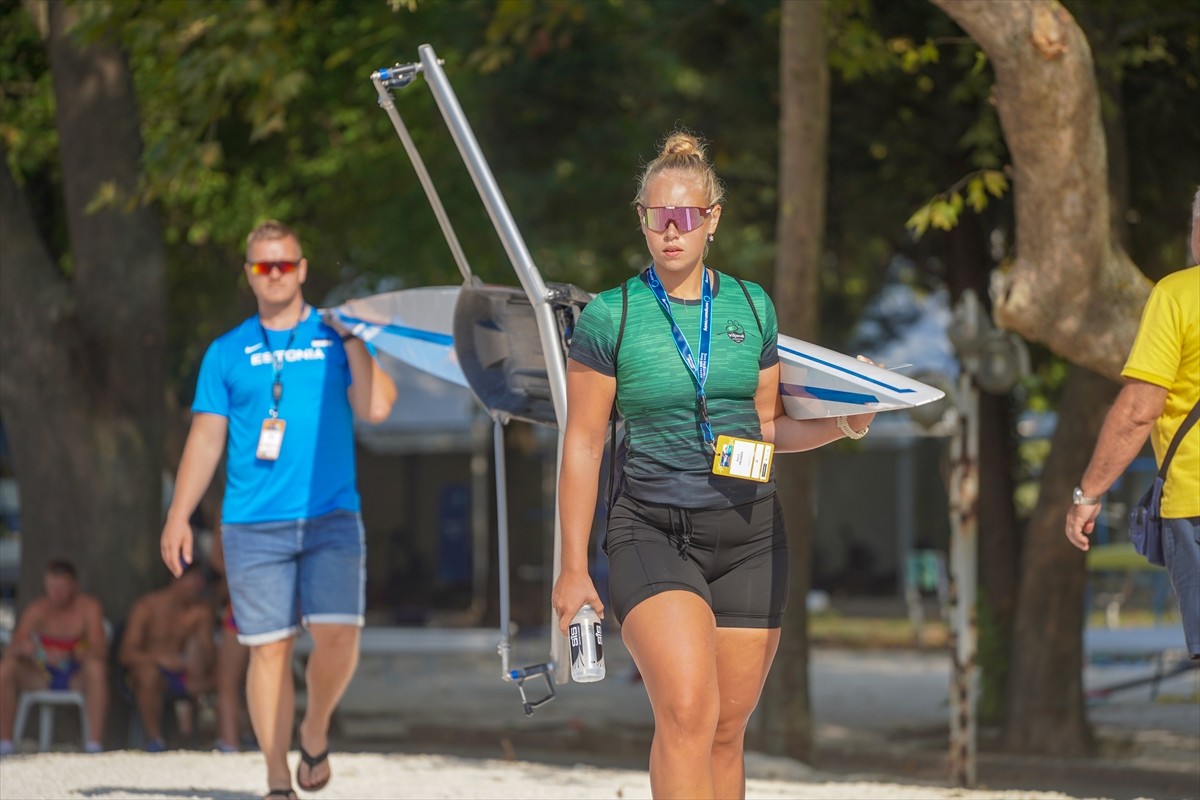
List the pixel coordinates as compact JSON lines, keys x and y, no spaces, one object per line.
{"x":1166,"y":353}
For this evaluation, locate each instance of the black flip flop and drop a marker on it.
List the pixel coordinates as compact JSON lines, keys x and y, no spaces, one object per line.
{"x":312,"y":762}
{"x":286,"y":794}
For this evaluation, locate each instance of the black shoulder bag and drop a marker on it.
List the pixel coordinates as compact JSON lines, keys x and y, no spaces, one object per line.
{"x":1145,"y":521}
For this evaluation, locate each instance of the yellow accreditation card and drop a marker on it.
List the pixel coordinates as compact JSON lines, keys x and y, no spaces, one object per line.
{"x":270,"y":439}
{"x":743,"y":458}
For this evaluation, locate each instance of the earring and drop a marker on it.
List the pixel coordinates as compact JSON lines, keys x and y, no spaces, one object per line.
{"x":710,"y":237}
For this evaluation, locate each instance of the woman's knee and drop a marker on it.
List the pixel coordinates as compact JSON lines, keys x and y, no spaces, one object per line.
{"x":731,"y":729}
{"x":687,"y":712}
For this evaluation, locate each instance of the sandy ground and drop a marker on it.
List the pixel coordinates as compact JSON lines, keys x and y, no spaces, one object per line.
{"x":181,"y":775}
{"x":869,"y":705}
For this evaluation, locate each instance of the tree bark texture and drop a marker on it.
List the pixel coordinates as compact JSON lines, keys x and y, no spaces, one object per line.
{"x":1070,"y":286}
{"x":803,"y":145}
{"x":81,"y":357}
{"x":1046,"y":714}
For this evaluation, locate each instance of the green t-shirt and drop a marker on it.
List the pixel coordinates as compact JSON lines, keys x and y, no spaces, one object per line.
{"x":667,"y":460}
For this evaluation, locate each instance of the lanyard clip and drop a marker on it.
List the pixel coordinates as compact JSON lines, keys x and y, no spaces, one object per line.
{"x":705,"y":425}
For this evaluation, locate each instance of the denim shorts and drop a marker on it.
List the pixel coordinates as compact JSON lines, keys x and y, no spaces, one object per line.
{"x":1181,"y":551}
{"x":736,"y":559}
{"x":305,"y":571}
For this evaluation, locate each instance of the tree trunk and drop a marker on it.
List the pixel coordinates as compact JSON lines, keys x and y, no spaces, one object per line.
{"x":1070,"y":286}
{"x":803,"y":145}
{"x":81,"y":359}
{"x":1046,"y":706}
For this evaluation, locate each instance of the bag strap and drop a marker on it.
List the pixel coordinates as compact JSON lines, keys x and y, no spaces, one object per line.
{"x":1179,"y":434}
{"x":612,"y":417}
{"x":749,"y":300}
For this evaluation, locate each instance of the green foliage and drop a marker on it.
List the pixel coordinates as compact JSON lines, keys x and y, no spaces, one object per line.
{"x":1147,"y":55}
{"x":254,"y":109}
{"x":25,"y":97}
{"x":942,"y":211}
{"x":913,"y":57}
{"x":27,"y":117}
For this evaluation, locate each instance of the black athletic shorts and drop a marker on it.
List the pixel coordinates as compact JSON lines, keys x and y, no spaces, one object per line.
{"x":735,"y":558}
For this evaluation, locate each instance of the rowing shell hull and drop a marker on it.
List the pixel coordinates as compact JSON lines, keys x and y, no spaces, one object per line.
{"x":416,"y":326}
{"x":816,"y":382}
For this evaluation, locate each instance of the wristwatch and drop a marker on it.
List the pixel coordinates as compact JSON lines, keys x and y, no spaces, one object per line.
{"x":1078,"y":498}
{"x":844,"y":426}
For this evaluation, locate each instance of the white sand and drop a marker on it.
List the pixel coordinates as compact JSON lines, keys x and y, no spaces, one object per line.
{"x":180,"y":775}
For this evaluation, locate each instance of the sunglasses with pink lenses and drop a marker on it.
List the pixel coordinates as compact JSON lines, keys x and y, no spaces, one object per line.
{"x":686,"y":218}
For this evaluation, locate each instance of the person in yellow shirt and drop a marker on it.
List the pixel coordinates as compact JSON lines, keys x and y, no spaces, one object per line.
{"x":1162,"y":385}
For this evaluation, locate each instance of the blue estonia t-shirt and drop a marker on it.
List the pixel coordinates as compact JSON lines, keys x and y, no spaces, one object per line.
{"x":315,"y":471}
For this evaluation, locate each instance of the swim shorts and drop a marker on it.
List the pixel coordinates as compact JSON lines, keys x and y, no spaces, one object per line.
{"x":735,"y":558}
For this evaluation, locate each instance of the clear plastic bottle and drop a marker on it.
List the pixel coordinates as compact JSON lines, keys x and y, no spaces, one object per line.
{"x":587,"y":646}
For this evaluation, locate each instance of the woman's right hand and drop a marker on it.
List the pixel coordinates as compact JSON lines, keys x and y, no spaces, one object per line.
{"x":571,"y":591}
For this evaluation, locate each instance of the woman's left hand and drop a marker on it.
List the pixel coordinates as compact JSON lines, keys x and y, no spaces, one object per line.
{"x":860,"y":422}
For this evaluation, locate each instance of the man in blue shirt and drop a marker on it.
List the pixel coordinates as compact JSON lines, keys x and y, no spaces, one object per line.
{"x":281,"y":390}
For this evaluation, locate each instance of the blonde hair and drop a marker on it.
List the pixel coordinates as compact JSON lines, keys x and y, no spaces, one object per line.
{"x":683,"y":152}
{"x":271,"y":230}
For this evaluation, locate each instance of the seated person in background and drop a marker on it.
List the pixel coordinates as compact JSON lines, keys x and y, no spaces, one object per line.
{"x":233,"y":658}
{"x":168,"y":648}
{"x":59,"y":643}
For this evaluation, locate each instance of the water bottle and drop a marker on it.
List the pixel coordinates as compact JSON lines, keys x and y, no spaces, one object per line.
{"x":587,"y":646}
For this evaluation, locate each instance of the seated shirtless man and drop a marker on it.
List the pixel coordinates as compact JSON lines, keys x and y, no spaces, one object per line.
{"x":58,"y":643}
{"x":168,"y":649}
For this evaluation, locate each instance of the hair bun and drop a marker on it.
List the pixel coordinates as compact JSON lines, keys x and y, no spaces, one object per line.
{"x":683,"y":152}
{"x":683,"y":144}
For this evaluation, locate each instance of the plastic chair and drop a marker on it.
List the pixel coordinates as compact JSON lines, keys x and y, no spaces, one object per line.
{"x":47,"y":699}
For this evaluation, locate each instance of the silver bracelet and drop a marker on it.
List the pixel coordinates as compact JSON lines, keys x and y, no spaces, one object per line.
{"x":844,"y":426}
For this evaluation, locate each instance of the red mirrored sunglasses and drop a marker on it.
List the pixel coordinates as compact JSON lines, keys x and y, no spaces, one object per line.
{"x":265,"y":267}
{"x":686,"y":218}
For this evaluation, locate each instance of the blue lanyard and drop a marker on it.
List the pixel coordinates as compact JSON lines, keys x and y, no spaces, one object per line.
{"x":698,"y":367}
{"x":277,"y":361}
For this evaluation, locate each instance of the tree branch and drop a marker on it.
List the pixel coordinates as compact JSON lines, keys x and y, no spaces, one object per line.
{"x":1070,"y":285}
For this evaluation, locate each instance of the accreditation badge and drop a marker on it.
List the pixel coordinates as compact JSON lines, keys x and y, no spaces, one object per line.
{"x":270,"y":439}
{"x":743,"y":458}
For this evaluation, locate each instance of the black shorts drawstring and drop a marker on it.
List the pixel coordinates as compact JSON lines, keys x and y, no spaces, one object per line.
{"x":682,"y":534}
